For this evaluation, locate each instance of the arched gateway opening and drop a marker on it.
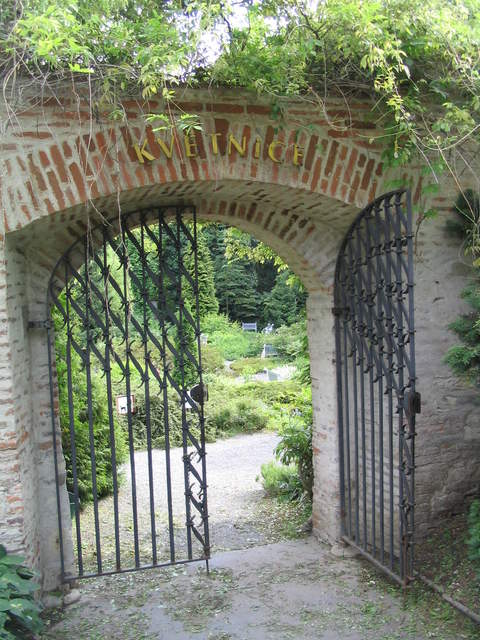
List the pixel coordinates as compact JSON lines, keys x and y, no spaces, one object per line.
{"x":124,"y":301}
{"x":298,"y":186}
{"x":311,"y":251}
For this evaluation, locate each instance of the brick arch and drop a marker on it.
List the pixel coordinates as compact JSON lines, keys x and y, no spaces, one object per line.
{"x":60,"y":172}
{"x":61,"y":164}
{"x":56,"y":158}
{"x":304,"y":232}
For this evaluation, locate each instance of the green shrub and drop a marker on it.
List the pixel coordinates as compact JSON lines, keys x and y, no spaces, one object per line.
{"x":281,"y":481}
{"x":101,"y":425}
{"x":464,"y":358}
{"x":212,"y":359}
{"x":288,"y":340}
{"x":250,"y":366}
{"x":273,"y":399}
{"x":236,"y":416}
{"x":295,"y":446}
{"x":277,"y":392}
{"x":19,"y":612}
{"x":229,"y":338}
{"x":139,"y":422}
{"x":473,"y":540}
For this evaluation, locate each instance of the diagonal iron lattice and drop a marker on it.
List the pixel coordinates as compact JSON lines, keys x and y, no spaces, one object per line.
{"x":377,"y":401}
{"x":120,"y":303}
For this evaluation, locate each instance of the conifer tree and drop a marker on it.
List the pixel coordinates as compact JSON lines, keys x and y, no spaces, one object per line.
{"x":185,"y":339}
{"x":207,"y":300}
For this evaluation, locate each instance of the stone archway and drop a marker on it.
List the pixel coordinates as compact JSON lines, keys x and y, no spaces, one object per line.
{"x":39,"y":256}
{"x":295,"y":184}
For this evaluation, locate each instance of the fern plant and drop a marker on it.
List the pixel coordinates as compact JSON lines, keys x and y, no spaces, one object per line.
{"x":19,"y":612}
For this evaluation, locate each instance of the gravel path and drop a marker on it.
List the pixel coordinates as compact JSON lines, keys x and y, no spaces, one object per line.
{"x":233,"y":496}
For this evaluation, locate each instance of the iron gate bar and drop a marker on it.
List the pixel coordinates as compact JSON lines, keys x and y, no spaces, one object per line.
{"x":111,"y":425}
{"x":88,"y":308}
{"x":161,"y":265}
{"x":374,"y":328}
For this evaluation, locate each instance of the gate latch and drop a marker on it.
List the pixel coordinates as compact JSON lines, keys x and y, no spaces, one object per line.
{"x":413,"y":403}
{"x":199,"y":393}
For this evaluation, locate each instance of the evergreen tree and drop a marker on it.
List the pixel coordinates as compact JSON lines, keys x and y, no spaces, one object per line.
{"x":236,"y":281}
{"x":185,"y":339}
{"x":283,"y":304}
{"x":207,"y":301}
{"x":236,"y":289}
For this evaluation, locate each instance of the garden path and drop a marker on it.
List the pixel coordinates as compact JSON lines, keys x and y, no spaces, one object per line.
{"x":268,"y":588}
{"x":234,"y":498}
{"x":296,"y":590}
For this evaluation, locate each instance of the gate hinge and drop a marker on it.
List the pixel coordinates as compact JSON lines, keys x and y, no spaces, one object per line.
{"x":412,"y":403}
{"x":39,"y":324}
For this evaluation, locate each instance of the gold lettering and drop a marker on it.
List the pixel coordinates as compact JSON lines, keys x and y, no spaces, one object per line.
{"x":190,"y":146}
{"x":142,"y":153}
{"x":271,"y":151}
{"x":297,"y":155}
{"x":256,"y":150}
{"x":233,"y":142}
{"x":214,"y":137}
{"x":168,"y":152}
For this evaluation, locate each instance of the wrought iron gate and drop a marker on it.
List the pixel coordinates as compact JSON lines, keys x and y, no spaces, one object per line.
{"x":377,"y":401}
{"x":124,"y":302}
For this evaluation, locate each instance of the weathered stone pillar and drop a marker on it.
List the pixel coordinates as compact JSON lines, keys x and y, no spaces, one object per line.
{"x":326,"y":493}
{"x":18,"y":523}
{"x":41,"y":420}
{"x":28,"y":503}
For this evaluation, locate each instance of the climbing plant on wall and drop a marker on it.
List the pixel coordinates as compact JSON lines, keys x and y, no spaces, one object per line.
{"x":464,"y":357}
{"x":417,"y":59}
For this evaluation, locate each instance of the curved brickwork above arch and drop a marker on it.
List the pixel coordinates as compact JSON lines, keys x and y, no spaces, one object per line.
{"x":55,"y":157}
{"x":306,"y":239}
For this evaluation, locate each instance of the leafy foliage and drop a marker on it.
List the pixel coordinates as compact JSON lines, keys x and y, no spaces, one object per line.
{"x":465,"y":222}
{"x":464,"y":358}
{"x":100,"y":422}
{"x":212,"y":360}
{"x":249,"y":366}
{"x":185,"y":371}
{"x":419,"y":60}
{"x":285,"y":302}
{"x":157,"y":423}
{"x":295,"y":446}
{"x":291,"y":342}
{"x":281,"y":481}
{"x":19,"y":612}
{"x":207,"y":301}
{"x":245,"y":415}
{"x":230,"y":340}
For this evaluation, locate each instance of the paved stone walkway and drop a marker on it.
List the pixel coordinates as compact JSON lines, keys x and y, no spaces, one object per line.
{"x":259,"y":588}
{"x":294,"y":590}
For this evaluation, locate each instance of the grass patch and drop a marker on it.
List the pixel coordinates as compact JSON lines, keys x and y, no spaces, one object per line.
{"x":426,"y":614}
{"x":444,"y":559}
